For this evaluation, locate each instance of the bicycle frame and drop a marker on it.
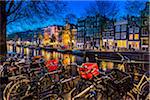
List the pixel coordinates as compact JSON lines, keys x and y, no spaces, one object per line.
{"x":83,"y":92}
{"x":140,"y":84}
{"x":137,"y":87}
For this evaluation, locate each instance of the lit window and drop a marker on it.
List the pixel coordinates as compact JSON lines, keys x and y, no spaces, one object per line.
{"x":136,"y":36}
{"x":131,"y":37}
{"x":145,"y":42}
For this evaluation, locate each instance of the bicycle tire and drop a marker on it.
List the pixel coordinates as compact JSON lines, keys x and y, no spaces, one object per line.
{"x":148,"y":97}
{"x":144,"y":90}
{"x":45,"y":81}
{"x":10,"y":84}
{"x":50,"y":97}
{"x":129,"y":96}
{"x":6,"y":90}
{"x":17,"y":83}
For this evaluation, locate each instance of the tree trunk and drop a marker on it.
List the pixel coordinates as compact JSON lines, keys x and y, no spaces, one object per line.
{"x":3,"y":20}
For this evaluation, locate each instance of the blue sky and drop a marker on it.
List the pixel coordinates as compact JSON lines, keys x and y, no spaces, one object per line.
{"x":76,"y":7}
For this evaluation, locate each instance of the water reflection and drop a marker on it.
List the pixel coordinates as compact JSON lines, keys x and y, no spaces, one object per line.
{"x":67,"y":58}
{"x":26,"y":51}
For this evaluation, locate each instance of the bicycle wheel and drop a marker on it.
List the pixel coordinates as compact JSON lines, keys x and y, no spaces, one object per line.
{"x":50,"y":97}
{"x":10,"y":84}
{"x":148,"y":97}
{"x":80,"y":86}
{"x":18,"y":89}
{"x":144,"y":90}
{"x":45,"y":82}
{"x":6,"y":90}
{"x":128,"y":96}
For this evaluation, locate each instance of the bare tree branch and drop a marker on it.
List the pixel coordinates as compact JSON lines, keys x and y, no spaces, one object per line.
{"x":10,"y":6}
{"x":134,"y":7}
{"x":17,"y":7}
{"x":104,"y":8}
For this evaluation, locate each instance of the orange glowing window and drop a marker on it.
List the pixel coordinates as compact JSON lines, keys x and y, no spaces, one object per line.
{"x":131,"y":37}
{"x":136,"y":36}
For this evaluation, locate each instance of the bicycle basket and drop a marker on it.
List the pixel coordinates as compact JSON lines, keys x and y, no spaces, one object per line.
{"x":121,"y":80}
{"x":88,"y":70}
{"x":52,"y":65}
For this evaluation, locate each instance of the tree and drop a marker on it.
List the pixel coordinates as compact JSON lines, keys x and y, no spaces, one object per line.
{"x":107,"y":9}
{"x":71,"y":18}
{"x":26,"y":11}
{"x":134,"y":7}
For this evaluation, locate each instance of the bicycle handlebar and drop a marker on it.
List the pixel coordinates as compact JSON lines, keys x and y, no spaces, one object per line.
{"x":123,"y":59}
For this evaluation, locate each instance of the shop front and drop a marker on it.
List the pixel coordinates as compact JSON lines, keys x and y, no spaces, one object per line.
{"x":121,"y":43}
{"x":144,"y":43}
{"x":111,"y":43}
{"x":108,"y":43}
{"x":134,"y":44}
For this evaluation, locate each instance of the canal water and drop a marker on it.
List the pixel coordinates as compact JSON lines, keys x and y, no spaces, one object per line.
{"x":68,"y":58}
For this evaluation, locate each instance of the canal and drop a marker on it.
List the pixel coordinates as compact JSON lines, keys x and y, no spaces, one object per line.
{"x":47,"y":54}
{"x":69,"y":58}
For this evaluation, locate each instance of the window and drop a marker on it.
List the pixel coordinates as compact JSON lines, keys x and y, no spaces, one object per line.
{"x":123,"y":35}
{"x":136,"y":30}
{"x":131,"y":37}
{"x":103,"y":34}
{"x":130,"y":30}
{"x":107,"y":34}
{"x":123,"y":27}
{"x":112,"y":33}
{"x":136,"y":36}
{"x":145,"y":42}
{"x":117,"y":28}
{"x":122,"y":43}
{"x":145,"y":22}
{"x":117,"y":35}
{"x":144,"y":31}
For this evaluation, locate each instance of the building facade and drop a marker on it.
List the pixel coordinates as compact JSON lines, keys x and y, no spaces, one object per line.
{"x":51,"y":34}
{"x":134,"y":33}
{"x":80,"y":33}
{"x":88,"y":34}
{"x":121,"y":34}
{"x":145,"y":16}
{"x":108,"y":35}
{"x":69,"y":36}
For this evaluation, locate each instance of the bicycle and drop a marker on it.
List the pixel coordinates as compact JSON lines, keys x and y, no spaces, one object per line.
{"x":98,"y":87}
{"x":38,"y":87}
{"x":12,"y":80}
{"x":138,"y":91}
